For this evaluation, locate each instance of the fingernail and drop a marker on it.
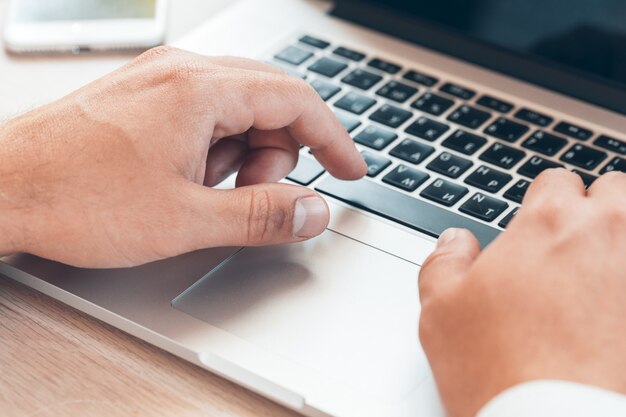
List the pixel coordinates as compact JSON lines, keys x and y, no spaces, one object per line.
{"x":446,"y":237}
{"x":310,"y":217}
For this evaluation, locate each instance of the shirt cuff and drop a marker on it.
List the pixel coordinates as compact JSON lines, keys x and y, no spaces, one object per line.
{"x":555,"y":399}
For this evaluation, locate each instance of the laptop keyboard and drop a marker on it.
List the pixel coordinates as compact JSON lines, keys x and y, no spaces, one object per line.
{"x":439,"y":154}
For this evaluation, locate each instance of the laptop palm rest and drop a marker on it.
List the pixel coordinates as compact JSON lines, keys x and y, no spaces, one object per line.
{"x":341,"y":308}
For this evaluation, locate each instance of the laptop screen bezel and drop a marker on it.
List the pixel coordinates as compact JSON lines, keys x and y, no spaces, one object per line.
{"x":539,"y":72}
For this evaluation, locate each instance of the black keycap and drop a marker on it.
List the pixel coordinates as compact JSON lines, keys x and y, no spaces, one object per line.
{"x":355,"y":103}
{"x":412,"y":151}
{"x":328,"y":67}
{"x":433,"y":104}
{"x":420,"y":78}
{"x":506,"y":129}
{"x":505,"y":222}
{"x":536,"y":165}
{"x":612,"y":144}
{"x":469,"y":117}
{"x":406,"y":178}
{"x":545,"y":143}
{"x":375,"y":163}
{"x":350,"y":54}
{"x":495,"y":104}
{"x":534,"y":117}
{"x":349,"y":123}
{"x":588,"y":179}
{"x":427,"y":129}
{"x":457,"y":91}
{"x":325,"y":89}
{"x":484,"y":207}
{"x":397,"y":91}
{"x":375,"y":137}
{"x":362,"y":79}
{"x":444,"y":192}
{"x":384,"y":66}
{"x":391,"y":116}
{"x":293,"y":55}
{"x":307,"y":171}
{"x":518,"y":191}
{"x":464,"y":142}
{"x":403,"y":209}
{"x":584,"y":157}
{"x":450,"y":165}
{"x":488,"y":179}
{"x":502,"y":155}
{"x":573,"y":131}
{"x":616,"y":164}
{"x":314,"y":42}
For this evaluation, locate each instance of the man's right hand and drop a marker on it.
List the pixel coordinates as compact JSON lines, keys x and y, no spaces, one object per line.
{"x":547,"y":300}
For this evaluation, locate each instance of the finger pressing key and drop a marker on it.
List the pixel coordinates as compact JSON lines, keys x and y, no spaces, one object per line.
{"x":270,"y":102}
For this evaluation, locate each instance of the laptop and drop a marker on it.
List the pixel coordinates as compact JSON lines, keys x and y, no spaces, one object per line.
{"x":457,"y":106}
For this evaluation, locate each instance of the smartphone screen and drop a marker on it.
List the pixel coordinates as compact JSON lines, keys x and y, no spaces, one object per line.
{"x":73,"y":10}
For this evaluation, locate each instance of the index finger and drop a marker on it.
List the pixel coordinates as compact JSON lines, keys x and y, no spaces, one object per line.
{"x":269,"y":101}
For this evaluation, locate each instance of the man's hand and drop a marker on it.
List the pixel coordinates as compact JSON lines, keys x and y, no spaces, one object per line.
{"x":545,"y":301}
{"x":118,"y":173}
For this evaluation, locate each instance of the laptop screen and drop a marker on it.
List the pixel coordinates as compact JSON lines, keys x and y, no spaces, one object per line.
{"x":577,"y":47}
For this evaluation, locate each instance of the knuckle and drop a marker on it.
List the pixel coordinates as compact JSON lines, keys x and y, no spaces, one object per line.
{"x":157,"y":53}
{"x":164,"y":50}
{"x":615,"y":216}
{"x":253,"y":86}
{"x":552,"y":205}
{"x":542,"y":203}
{"x":612,"y":176}
{"x":547,"y":177}
{"x":299,"y":88}
{"x":263,"y":67}
{"x":170,"y":67}
{"x":547,"y":211}
{"x":172,"y":64}
{"x":182,"y":71}
{"x":280,"y":71}
{"x":264,"y":218}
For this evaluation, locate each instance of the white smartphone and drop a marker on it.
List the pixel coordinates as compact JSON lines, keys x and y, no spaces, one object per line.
{"x":79,"y":25}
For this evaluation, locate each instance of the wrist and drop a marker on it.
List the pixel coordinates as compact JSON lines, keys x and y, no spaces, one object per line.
{"x":9,"y":225}
{"x":11,"y":179}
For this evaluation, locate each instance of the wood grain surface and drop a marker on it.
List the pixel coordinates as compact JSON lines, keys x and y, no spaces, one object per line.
{"x":56,"y":361}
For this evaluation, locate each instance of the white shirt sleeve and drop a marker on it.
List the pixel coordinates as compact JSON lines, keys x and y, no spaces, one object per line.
{"x":555,"y":399}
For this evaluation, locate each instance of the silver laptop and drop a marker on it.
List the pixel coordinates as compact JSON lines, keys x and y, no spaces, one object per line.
{"x":457,"y":105}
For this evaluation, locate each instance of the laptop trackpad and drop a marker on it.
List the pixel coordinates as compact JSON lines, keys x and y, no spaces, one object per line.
{"x":339,"y":307}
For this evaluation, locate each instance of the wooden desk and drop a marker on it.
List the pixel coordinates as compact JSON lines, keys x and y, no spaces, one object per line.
{"x":55,"y":361}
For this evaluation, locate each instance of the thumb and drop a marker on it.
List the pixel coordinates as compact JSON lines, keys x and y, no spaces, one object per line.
{"x":457,"y":249}
{"x":263,"y":214}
